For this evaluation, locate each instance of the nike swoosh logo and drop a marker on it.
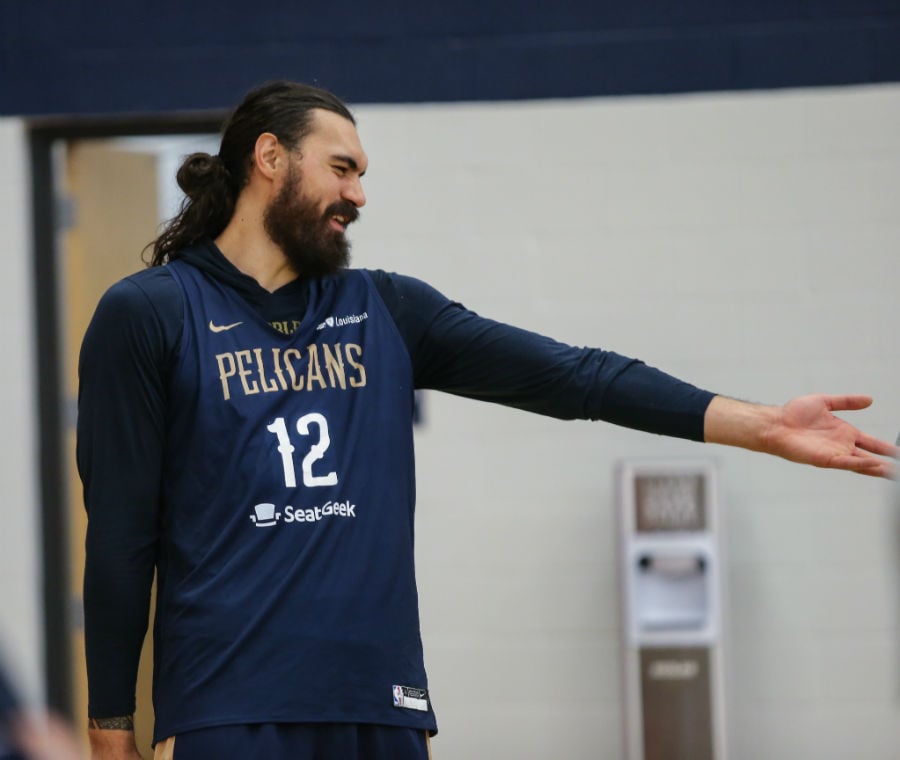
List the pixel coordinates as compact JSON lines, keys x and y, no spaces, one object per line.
{"x":222,"y":328}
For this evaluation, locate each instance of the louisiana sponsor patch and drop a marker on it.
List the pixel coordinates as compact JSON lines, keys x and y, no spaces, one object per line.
{"x":410,"y":698}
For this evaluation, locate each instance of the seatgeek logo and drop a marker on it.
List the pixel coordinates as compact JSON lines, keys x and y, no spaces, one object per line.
{"x":265,"y":516}
{"x":349,"y":319}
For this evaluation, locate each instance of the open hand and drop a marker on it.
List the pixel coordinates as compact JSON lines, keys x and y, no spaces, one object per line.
{"x":807,"y":431}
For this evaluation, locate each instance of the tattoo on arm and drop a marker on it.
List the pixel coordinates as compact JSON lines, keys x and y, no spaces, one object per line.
{"x":121,"y":723}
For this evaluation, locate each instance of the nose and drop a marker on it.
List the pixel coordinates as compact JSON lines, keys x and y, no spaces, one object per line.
{"x":353,"y":192}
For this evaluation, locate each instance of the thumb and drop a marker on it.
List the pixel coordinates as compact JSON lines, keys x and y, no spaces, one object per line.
{"x":847,"y":402}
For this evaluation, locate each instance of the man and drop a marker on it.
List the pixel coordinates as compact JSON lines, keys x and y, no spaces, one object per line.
{"x":245,"y":428}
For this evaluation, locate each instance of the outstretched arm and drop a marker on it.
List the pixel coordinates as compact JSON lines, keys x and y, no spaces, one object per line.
{"x":803,"y":430}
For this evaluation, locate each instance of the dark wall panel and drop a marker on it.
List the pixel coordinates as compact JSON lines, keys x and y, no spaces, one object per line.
{"x":99,"y":57}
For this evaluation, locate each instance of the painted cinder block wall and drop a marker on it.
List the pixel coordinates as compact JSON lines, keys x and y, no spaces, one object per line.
{"x":748,"y":243}
{"x":745,"y":242}
{"x":21,"y":619}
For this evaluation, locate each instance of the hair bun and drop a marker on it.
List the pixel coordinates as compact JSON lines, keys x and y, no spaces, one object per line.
{"x":199,"y":172}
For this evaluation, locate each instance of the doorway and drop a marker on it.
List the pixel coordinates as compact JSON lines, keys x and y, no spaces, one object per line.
{"x":100,"y":193}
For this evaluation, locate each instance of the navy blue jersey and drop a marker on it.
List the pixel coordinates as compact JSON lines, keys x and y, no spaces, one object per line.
{"x":286,"y":584}
{"x":207,"y":500}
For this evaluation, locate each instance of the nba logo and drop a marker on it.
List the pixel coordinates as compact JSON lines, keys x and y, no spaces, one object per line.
{"x":398,"y":696}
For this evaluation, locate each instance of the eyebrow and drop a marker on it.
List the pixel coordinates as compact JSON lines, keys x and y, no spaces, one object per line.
{"x":351,"y":162}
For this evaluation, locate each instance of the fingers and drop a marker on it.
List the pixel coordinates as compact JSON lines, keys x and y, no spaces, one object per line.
{"x":880,"y":470}
{"x":877,"y":446}
{"x":863,"y":460}
{"x":864,"y":464}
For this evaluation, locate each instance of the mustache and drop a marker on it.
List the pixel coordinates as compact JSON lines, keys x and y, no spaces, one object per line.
{"x":344,"y":209}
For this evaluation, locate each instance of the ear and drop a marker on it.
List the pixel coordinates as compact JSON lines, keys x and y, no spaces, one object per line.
{"x":267,"y":154}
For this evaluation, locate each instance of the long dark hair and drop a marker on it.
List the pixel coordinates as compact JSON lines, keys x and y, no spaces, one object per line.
{"x":212,"y":184}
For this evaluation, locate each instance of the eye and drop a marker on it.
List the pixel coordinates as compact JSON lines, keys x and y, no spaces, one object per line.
{"x":339,"y":169}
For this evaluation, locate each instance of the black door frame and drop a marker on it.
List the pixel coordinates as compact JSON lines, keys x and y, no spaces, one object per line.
{"x":52,"y":404}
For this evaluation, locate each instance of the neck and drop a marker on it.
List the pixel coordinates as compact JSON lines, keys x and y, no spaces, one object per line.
{"x":245,"y":243}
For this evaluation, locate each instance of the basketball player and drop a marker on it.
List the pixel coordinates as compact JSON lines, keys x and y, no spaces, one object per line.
{"x":245,"y":427}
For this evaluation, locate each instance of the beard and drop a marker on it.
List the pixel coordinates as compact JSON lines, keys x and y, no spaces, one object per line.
{"x":305,"y":235}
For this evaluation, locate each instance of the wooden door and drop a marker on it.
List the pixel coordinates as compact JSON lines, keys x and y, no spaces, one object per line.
{"x":110,"y":191}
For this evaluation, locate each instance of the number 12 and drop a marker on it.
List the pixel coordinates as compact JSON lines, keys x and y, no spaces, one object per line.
{"x":316,"y":451}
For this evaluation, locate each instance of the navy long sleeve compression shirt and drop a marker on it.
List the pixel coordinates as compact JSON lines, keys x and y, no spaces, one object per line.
{"x":127,"y":356}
